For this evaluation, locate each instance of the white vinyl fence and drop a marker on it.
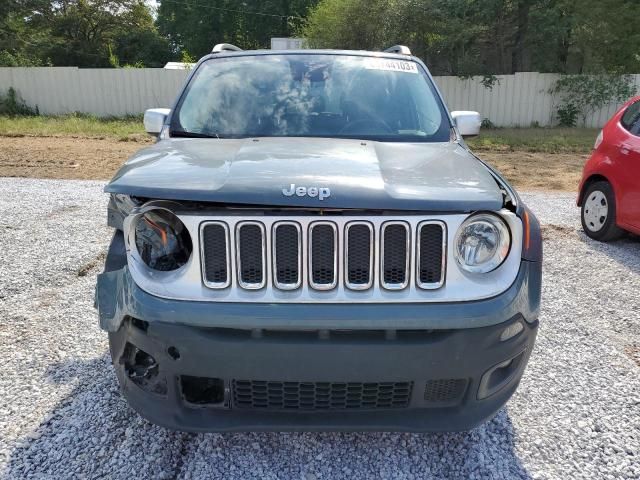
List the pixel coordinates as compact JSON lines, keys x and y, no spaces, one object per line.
{"x":518,"y":100}
{"x":98,"y":91}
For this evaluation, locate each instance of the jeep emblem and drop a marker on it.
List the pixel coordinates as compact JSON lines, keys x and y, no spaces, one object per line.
{"x":320,"y":192}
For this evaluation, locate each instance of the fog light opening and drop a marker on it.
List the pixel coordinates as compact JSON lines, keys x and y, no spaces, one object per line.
{"x":202,"y":390}
{"x":499,"y":376}
{"x":143,"y":370}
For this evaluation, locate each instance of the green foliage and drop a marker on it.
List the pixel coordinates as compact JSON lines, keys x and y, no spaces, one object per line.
{"x":352,"y":24}
{"x":138,"y":64}
{"x":11,"y":104}
{"x":145,"y":47}
{"x":542,"y":140}
{"x":186,"y":57}
{"x":488,"y":37}
{"x":584,"y":94}
{"x":454,"y":37}
{"x":487,"y":81}
{"x":568,"y":115}
{"x":487,"y":124}
{"x":18,"y":59}
{"x":114,"y":61}
{"x":85,"y":33}
{"x":197,"y":25}
{"x":74,"y":124}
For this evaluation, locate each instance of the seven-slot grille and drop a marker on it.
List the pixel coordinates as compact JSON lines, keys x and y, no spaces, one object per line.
{"x":276,"y":395}
{"x":291,"y":254}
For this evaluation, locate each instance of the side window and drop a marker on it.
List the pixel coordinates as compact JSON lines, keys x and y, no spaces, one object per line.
{"x":631,"y":118}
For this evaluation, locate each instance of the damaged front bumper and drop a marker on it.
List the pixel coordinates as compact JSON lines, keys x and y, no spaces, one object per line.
{"x":202,"y":366}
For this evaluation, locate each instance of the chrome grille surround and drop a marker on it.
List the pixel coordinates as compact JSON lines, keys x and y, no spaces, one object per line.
{"x":274,"y":256}
{"x":188,"y":282}
{"x":347,"y":238}
{"x":386,"y":252}
{"x":208,"y":283}
{"x":323,"y":285}
{"x":443,"y":264}
{"x":263,"y":247}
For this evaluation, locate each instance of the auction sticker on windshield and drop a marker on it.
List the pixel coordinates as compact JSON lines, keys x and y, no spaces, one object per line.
{"x":391,"y":65}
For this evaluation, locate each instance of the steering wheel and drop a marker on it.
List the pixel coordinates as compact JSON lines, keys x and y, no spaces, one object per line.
{"x":365,"y":126}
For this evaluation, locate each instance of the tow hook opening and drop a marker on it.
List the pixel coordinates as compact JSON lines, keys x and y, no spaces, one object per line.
{"x":143,"y":370}
{"x":203,"y":391}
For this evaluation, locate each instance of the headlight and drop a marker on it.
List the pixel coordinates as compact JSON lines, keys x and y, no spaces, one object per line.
{"x":482,"y":243}
{"x":162,"y":240}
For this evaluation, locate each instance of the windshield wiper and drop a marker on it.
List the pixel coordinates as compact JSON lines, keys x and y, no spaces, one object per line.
{"x":182,"y":133}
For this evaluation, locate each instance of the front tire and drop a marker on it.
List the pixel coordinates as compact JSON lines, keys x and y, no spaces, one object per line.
{"x":599,"y":213}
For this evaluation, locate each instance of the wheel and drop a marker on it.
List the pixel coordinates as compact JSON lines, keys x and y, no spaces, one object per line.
{"x":599,"y":213}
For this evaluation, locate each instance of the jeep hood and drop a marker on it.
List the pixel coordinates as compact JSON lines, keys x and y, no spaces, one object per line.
{"x":360,"y":174}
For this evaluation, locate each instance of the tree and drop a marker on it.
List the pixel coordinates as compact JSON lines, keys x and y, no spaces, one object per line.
{"x":455,"y":37}
{"x":606,"y":36}
{"x":488,"y":37}
{"x":353,"y":24}
{"x":79,"y":32}
{"x":85,"y":31}
{"x":586,"y":94}
{"x":196,"y":26}
{"x":20,"y":40}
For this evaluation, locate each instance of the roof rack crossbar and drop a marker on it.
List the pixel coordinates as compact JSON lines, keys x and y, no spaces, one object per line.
{"x":225,"y":47}
{"x":401,"y":49}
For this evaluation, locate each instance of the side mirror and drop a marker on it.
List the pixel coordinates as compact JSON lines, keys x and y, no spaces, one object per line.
{"x":154,"y":119}
{"x":468,"y":123}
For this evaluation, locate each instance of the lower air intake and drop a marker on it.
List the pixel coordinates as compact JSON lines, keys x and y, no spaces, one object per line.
{"x":274,"y":395}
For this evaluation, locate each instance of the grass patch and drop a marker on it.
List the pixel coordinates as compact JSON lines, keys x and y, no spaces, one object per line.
{"x":536,"y":140}
{"x":72,"y":125}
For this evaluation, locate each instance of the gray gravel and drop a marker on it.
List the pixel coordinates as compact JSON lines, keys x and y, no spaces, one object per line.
{"x":576,"y":414}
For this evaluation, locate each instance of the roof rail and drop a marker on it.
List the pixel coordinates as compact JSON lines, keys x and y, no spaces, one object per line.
{"x":225,"y":47}
{"x":401,"y":49}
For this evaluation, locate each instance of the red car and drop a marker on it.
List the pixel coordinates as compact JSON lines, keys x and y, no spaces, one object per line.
{"x":610,"y":186}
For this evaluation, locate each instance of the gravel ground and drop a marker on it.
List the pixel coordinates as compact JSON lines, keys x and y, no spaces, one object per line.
{"x":576,"y":414}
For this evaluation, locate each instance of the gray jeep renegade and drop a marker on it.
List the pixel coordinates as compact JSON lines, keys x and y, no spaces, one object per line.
{"x":310,"y":245}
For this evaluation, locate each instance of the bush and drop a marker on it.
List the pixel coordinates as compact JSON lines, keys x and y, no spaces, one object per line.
{"x":11,"y":59}
{"x":568,"y":115}
{"x":12,"y":104}
{"x":582,"y":95}
{"x":488,"y":124}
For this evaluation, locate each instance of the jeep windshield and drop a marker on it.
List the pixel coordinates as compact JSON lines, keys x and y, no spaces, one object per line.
{"x":311,"y":95}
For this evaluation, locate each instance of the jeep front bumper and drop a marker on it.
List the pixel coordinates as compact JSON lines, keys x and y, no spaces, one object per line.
{"x":200,"y":366}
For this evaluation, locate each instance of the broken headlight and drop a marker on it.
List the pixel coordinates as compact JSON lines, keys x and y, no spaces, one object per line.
{"x":482,"y":243}
{"x":162,"y":240}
